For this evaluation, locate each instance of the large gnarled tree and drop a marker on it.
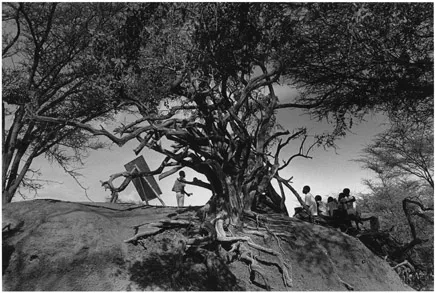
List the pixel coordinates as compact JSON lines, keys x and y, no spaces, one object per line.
{"x":216,"y":67}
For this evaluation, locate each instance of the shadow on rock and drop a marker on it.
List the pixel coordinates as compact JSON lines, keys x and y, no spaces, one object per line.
{"x":197,"y":270}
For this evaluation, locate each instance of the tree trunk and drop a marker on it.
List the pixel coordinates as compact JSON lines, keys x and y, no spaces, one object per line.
{"x":10,"y":143}
{"x":17,"y":176}
{"x":6,"y":197}
{"x":14,"y":167}
{"x":235,"y":198}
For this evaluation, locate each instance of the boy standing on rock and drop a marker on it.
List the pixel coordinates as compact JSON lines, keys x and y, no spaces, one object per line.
{"x":178,"y":188}
{"x":310,"y":202}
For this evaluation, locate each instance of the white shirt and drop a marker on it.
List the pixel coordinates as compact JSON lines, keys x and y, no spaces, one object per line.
{"x":323,"y":209}
{"x":311,"y":203}
{"x":332,"y":206}
{"x":350,"y":206}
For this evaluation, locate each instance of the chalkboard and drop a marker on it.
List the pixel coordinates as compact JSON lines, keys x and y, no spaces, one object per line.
{"x":147,"y":186}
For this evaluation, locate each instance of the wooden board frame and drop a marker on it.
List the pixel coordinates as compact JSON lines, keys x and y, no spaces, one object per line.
{"x":146,"y":186}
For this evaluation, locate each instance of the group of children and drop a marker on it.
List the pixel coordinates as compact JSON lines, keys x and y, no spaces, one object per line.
{"x":342,"y":210}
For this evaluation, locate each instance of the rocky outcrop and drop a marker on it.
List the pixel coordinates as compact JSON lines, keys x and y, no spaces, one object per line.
{"x":53,"y":245}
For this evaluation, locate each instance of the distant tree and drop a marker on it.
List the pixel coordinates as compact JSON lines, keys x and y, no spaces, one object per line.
{"x":60,"y":60}
{"x":405,"y":210}
{"x":386,"y":201}
{"x":402,"y":195}
{"x":218,"y":65}
{"x":404,"y":150}
{"x":402,"y":159}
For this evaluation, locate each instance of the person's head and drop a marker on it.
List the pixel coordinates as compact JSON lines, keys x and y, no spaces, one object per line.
{"x":306,"y":189}
{"x":341,"y":195}
{"x":330,"y":199}
{"x":318,"y":198}
{"x":182,"y":174}
{"x":346,"y":191}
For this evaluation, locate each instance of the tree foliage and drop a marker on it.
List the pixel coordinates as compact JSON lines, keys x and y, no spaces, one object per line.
{"x":201,"y":78}
{"x":361,"y":57}
{"x":402,"y":195}
{"x":224,"y":67}
{"x":404,"y":150}
{"x":56,"y":63}
{"x":405,"y":210}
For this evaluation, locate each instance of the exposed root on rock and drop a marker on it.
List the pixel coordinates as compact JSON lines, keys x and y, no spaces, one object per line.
{"x":261,"y":231}
{"x":222,"y":237}
{"x":247,"y":256}
{"x":404,"y":269}
{"x":288,"y":281}
{"x":154,"y":228}
{"x":240,"y":245}
{"x":405,"y":263}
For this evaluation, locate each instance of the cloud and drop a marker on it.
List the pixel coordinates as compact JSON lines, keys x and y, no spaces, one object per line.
{"x":131,"y":197}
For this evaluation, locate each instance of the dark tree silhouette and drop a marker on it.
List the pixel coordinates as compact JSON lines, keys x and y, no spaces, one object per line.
{"x":215,"y":66}
{"x":56,"y":63}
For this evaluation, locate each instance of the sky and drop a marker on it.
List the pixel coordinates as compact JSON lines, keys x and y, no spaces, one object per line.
{"x":327,"y":173}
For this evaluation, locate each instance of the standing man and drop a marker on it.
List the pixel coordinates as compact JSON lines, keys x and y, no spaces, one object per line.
{"x":178,"y":188}
{"x":350,"y":203}
{"x":310,"y":202}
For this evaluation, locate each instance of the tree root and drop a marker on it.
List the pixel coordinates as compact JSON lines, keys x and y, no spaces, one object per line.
{"x":246,"y":255}
{"x":239,"y":245}
{"x":276,"y":238}
{"x":404,"y":263}
{"x":261,"y":231}
{"x":222,"y":237}
{"x":151,"y":231}
{"x":288,"y":281}
{"x":155,"y":228}
{"x":404,"y":270}
{"x":271,"y":221}
{"x":286,"y":275}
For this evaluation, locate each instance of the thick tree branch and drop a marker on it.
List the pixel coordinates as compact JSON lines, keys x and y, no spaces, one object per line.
{"x":314,"y":105}
{"x":14,"y":40}
{"x":287,"y":184}
{"x":300,"y":153}
{"x":94,"y":131}
{"x":198,"y":182}
{"x":170,"y":114}
{"x":275,"y":135}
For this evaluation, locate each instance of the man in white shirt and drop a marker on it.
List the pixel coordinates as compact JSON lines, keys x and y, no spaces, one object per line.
{"x":310,"y":201}
{"x":350,"y":203}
